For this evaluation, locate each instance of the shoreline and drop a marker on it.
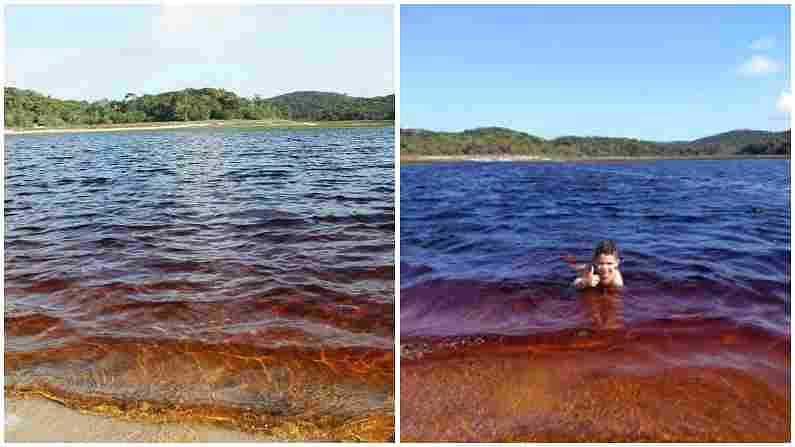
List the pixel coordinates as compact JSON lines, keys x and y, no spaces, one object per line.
{"x":428,"y":159}
{"x":269,"y":124}
{"x":288,"y":394}
{"x":25,"y":418}
{"x":27,"y":413}
{"x":101,"y":129}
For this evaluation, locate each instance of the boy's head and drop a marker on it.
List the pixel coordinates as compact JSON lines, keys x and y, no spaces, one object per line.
{"x":606,"y":260}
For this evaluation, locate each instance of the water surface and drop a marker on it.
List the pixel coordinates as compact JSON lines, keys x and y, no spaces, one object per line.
{"x":486,"y":298}
{"x":242,"y":273}
{"x":706,"y":239}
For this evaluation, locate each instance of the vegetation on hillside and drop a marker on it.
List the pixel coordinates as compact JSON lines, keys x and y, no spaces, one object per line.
{"x":495,"y":141}
{"x":27,"y":108}
{"x":319,"y":106}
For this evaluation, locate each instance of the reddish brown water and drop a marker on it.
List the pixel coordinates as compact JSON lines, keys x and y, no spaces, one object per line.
{"x":686,"y":381}
{"x":238,"y":277}
{"x":497,"y":345}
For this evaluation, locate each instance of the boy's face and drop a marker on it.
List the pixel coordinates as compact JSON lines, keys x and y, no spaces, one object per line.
{"x":606,"y":267}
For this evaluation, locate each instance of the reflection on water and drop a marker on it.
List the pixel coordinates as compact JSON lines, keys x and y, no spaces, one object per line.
{"x":605,"y":307}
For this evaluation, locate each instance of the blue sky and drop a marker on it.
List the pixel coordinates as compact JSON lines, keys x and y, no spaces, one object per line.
{"x":94,"y":52}
{"x":652,"y":72}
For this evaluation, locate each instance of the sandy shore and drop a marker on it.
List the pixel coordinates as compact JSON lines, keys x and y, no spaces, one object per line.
{"x":40,"y":420}
{"x":442,"y":158}
{"x":104,"y":129}
{"x":199,"y":124}
{"x":530,"y":158}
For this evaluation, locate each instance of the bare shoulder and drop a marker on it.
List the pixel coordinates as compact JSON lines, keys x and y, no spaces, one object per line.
{"x":619,"y":282}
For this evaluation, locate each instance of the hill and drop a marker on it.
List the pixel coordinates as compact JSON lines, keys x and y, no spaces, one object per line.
{"x":744,"y":141}
{"x":28,"y":108}
{"x":322,"y":106}
{"x":495,"y":141}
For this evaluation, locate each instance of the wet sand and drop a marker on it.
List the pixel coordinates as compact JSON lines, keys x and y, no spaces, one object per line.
{"x":35,"y":419}
{"x":39,"y":420}
{"x":286,"y":394}
{"x":104,"y":129}
{"x":683,"y":385}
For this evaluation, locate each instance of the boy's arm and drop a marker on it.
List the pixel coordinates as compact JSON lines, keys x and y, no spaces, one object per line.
{"x":588,"y":278}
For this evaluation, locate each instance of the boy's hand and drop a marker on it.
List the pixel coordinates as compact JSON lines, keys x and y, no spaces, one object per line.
{"x":590,"y":278}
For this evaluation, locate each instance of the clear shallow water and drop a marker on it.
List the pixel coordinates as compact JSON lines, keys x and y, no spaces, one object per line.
{"x":481,"y":243}
{"x":250,"y":262}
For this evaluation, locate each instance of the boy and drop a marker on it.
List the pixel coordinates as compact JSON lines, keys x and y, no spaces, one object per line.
{"x":603,"y":269}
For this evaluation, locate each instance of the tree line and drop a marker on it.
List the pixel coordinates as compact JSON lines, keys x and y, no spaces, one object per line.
{"x":28,"y":108}
{"x":318,"y":106}
{"x":495,"y":141}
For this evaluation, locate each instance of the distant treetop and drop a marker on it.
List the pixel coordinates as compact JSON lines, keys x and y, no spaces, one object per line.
{"x":27,"y":108}
{"x":496,"y":141}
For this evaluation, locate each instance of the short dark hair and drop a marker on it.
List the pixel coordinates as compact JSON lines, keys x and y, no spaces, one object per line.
{"x":606,"y":247}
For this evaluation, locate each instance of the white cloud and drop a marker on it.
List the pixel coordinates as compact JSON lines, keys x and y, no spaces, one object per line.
{"x":759,"y":66}
{"x":206,"y":22}
{"x":211,"y":28}
{"x":784,"y":103}
{"x":763,"y":44}
{"x":248,"y":49}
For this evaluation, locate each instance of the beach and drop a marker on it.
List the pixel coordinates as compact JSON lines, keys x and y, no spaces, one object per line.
{"x":25,"y":420}
{"x":103,"y":129}
{"x":420,"y":159}
{"x":196,"y":124}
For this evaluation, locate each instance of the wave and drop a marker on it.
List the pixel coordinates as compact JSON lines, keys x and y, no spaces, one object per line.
{"x":451,"y":307}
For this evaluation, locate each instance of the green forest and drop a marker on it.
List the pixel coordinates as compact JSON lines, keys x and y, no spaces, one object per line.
{"x":27,"y":108}
{"x":314,"y":106}
{"x":496,"y":141}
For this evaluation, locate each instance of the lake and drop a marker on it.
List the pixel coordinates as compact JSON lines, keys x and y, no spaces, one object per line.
{"x":497,"y":345}
{"x":239,"y":276}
